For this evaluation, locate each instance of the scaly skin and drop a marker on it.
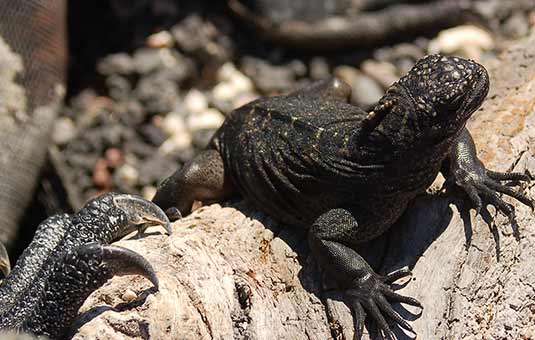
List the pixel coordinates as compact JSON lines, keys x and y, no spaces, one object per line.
{"x":68,"y":259}
{"x":311,"y":160}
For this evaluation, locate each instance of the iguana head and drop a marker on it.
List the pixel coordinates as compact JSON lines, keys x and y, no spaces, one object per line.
{"x":433,"y":101}
{"x":445,"y":91}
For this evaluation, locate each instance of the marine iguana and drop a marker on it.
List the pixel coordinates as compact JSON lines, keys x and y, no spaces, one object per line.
{"x":312,"y":160}
{"x":69,"y":258}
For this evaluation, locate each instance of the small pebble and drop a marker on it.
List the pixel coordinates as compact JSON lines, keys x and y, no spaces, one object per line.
{"x":208,"y":119}
{"x":64,"y":131}
{"x":365,"y":90}
{"x":195,"y":101}
{"x":129,"y":295}
{"x":157,"y":93}
{"x":114,"y":157}
{"x":119,"y":63}
{"x":155,"y":168}
{"x":224,"y":91}
{"x":226,"y":71}
{"x":101,"y":175}
{"x":270,"y":78}
{"x":240,"y":82}
{"x":160,"y":39}
{"x":467,"y":40}
{"x":173,"y":124}
{"x":147,"y":60}
{"x":128,"y":175}
{"x":152,"y":135}
{"x":118,"y":87}
{"x":382,"y":72}
{"x":319,"y":68}
{"x":176,"y":144}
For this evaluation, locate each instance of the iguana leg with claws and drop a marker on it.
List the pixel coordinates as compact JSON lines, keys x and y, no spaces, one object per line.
{"x":480,"y":184}
{"x":58,"y":269}
{"x":312,"y":160}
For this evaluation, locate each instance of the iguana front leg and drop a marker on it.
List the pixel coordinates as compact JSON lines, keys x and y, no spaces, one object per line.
{"x":366,"y":291}
{"x":480,"y":184}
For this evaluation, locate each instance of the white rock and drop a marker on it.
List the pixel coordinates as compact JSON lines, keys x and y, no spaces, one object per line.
{"x":208,"y":119}
{"x":128,"y":174}
{"x":231,"y":83}
{"x":175,"y":143}
{"x":195,"y":101}
{"x":241,"y":82}
{"x":173,"y":124}
{"x":467,"y":40}
{"x":64,"y":130}
{"x":226,"y":71}
{"x":224,"y":91}
{"x":160,"y":39}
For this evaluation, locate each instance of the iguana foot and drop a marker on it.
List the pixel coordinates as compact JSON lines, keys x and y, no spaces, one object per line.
{"x":367,"y":292}
{"x":481,"y":184}
{"x":201,"y":179}
{"x":373,"y":294}
{"x":487,"y":185}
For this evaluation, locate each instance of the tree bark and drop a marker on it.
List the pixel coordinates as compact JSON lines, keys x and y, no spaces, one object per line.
{"x":232,"y":273}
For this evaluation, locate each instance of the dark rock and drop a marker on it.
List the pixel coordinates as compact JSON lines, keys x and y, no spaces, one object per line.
{"x":157,"y":94}
{"x":139,"y":148}
{"x":119,"y":88}
{"x":84,"y":161}
{"x":131,"y":112}
{"x":211,"y":45}
{"x":120,"y":63}
{"x":155,"y":168}
{"x":269,"y":78}
{"x":147,"y":60}
{"x":152,"y":134}
{"x":319,"y":68}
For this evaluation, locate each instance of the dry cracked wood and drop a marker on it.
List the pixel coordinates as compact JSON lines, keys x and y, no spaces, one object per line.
{"x":228,"y":273}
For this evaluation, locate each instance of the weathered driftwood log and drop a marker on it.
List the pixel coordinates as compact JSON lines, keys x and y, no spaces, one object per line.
{"x":232,"y":273}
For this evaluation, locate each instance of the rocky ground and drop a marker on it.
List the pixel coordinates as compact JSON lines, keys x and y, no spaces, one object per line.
{"x":150,"y":109}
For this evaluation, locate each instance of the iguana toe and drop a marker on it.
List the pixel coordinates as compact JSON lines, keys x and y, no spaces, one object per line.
{"x":142,"y":213}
